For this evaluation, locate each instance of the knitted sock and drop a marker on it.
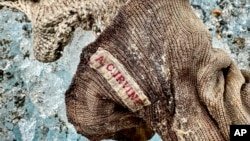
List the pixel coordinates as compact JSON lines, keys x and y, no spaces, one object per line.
{"x":155,"y":65}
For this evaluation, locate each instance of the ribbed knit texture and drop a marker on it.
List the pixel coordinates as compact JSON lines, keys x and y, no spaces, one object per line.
{"x":54,"y":21}
{"x":195,"y":91}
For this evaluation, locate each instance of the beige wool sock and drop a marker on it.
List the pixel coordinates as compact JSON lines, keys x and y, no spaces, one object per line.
{"x":54,"y":21}
{"x":155,"y":66}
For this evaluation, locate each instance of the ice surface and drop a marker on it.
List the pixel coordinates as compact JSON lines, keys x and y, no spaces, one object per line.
{"x":230,"y":28}
{"x":32,"y":93}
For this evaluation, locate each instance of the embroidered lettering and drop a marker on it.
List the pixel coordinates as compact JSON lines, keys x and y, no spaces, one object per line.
{"x":116,"y":73}
{"x":133,"y":95}
{"x":119,"y":79}
{"x":110,"y":67}
{"x":138,"y":101}
{"x":100,"y":60}
{"x":130,"y":89}
{"x":125,"y":85}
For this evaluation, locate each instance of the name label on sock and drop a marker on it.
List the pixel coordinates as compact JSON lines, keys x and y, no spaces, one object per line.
{"x":119,"y":79}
